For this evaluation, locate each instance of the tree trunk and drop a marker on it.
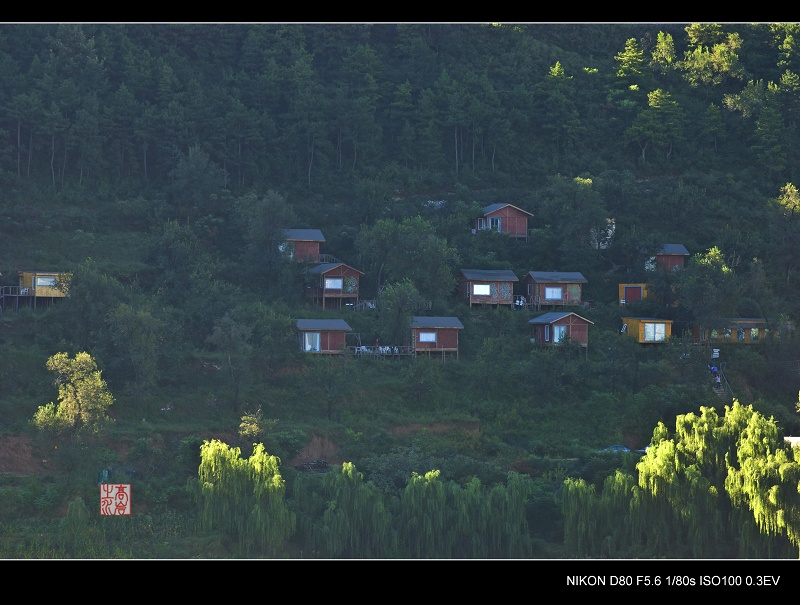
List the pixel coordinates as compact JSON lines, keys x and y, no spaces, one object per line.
{"x":455,"y":144}
{"x":310,"y":158}
{"x":30,"y":152}
{"x":52,"y":159}
{"x":19,"y":150}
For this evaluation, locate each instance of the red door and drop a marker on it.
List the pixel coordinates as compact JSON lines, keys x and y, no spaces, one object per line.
{"x":632,"y":293}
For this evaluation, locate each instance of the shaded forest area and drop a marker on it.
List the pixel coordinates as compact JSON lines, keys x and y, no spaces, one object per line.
{"x":159,"y":164}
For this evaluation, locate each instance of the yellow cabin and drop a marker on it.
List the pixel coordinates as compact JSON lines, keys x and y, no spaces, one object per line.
{"x":43,"y":284}
{"x":647,"y":330}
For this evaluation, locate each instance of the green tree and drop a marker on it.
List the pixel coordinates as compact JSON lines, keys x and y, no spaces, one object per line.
{"x":786,"y":225}
{"x":631,"y":61}
{"x":708,"y":286}
{"x":660,"y":124}
{"x":83,"y":397}
{"x":232,"y":339}
{"x":398,"y":303}
{"x":243,"y":498}
{"x":663,"y":56}
{"x":356,"y":522}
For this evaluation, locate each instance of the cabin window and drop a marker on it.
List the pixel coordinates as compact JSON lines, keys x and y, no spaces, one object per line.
{"x":481,"y":223}
{"x":655,"y":332}
{"x":427,"y":336}
{"x":754,"y":334}
{"x":334,"y":283}
{"x":311,"y":341}
{"x":481,"y":290}
{"x":48,"y":282}
{"x":650,"y":264}
{"x":714,"y":334}
{"x":547,"y":333}
{"x":741,"y":334}
{"x":559,"y":333}
{"x":494,"y":223}
{"x":726,"y":334}
{"x":552,"y":293}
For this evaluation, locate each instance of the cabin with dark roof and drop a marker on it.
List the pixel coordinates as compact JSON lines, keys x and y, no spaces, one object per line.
{"x":671,"y":257}
{"x":302,"y":244}
{"x":36,"y":289}
{"x":435,"y":335}
{"x":324,"y":336}
{"x":553,"y":288}
{"x":333,"y":285}
{"x":487,"y":286}
{"x":556,"y":326}
{"x":503,"y":218}
{"x":647,"y":330}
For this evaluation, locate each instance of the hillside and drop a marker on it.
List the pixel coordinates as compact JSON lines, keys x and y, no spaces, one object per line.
{"x":164,"y":194}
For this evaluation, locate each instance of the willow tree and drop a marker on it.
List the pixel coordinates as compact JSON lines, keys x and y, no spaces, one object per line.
{"x":243,"y":498}
{"x":356,"y":522}
{"x":766,"y":480}
{"x":721,"y":486}
{"x":423,"y":519}
{"x":83,"y":397}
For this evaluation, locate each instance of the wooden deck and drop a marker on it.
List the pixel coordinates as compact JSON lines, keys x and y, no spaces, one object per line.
{"x":13,"y":298}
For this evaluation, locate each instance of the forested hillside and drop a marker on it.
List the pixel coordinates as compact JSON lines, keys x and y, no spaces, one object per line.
{"x":158,"y":166}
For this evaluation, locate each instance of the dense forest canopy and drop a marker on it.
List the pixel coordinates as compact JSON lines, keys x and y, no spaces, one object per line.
{"x":158,"y":165}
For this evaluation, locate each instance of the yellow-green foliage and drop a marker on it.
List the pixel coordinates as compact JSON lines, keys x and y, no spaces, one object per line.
{"x":244,"y":498}
{"x":83,"y":396}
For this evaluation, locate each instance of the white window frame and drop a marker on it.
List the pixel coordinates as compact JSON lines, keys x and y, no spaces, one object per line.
{"x":427,"y":337}
{"x":655,"y":332}
{"x":334,"y":283}
{"x":495,"y":223}
{"x":553,"y":293}
{"x":311,"y":342}
{"x":547,"y":332}
{"x":559,"y":333}
{"x":481,"y":289}
{"x":45,"y":282}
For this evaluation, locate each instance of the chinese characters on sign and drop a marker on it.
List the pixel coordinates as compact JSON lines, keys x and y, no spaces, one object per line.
{"x":115,"y":499}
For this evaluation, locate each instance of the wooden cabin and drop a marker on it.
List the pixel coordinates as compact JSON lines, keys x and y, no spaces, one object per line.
{"x":302,"y":244}
{"x":503,"y":218}
{"x":35,"y":289}
{"x":435,"y":335}
{"x":671,"y":257}
{"x":324,"y":336}
{"x":647,"y":330}
{"x":739,"y":330}
{"x":631,"y":293}
{"x":553,"y":288}
{"x":487,"y":286}
{"x":556,"y":326}
{"x":333,"y":285}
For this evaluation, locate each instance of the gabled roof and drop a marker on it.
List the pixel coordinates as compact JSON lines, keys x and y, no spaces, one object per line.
{"x":554,"y":316}
{"x":303,"y":235}
{"x":325,"y":267}
{"x":678,"y":249}
{"x":323,"y":324}
{"x":420,"y":321}
{"x":494,"y":207}
{"x":561,"y":277}
{"x":490,"y":274}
